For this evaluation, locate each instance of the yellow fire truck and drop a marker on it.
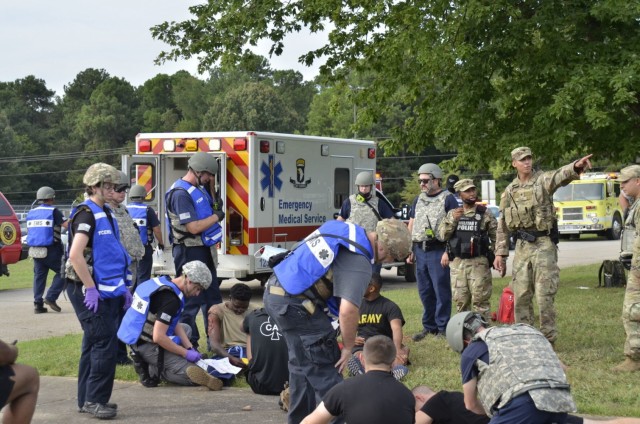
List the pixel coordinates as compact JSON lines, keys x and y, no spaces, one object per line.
{"x":277,"y":188}
{"x":590,"y":205}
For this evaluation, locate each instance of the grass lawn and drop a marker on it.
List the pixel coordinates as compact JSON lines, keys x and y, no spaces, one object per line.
{"x":590,"y":342}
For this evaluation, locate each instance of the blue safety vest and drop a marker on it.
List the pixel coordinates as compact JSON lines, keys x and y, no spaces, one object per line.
{"x":313,"y":257}
{"x":203,"y":204}
{"x":110,"y":259}
{"x":138,"y":212}
{"x":133,"y":322}
{"x":40,"y":224}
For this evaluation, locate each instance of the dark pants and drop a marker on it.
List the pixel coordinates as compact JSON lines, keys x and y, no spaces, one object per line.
{"x":313,"y":352}
{"x":41,"y":268}
{"x":145,"y":265}
{"x":207,"y":298}
{"x":434,"y":288}
{"x":522,"y":410}
{"x":97,"y":367}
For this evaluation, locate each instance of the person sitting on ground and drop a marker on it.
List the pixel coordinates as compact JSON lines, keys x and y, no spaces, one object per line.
{"x":19,"y":385}
{"x":267,"y":353}
{"x":379,"y":316}
{"x":448,"y":408}
{"x":372,"y":398}
{"x":161,"y":346}
{"x":225,"y":325}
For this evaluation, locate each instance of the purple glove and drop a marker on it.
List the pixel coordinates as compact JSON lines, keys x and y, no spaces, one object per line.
{"x":127,"y":299}
{"x":91,"y":298}
{"x":193,"y":355}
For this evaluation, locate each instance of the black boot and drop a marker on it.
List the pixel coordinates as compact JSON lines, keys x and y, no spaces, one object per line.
{"x":142,"y":369}
{"x":39,"y":308}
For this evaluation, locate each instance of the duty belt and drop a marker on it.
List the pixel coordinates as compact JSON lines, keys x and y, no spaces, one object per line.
{"x":530,"y":235}
{"x":427,"y":245}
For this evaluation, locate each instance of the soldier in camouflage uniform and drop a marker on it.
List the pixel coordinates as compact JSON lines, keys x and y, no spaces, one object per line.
{"x":471,"y":235}
{"x":526,"y":209}
{"x":509,"y":373}
{"x":630,"y":182}
{"x":429,"y":250}
{"x":364,"y":209}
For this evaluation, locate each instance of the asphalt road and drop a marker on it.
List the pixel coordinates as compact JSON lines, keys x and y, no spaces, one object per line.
{"x":20,"y":323}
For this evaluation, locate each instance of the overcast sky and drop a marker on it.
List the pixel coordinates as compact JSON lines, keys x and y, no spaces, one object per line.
{"x":56,"y":39}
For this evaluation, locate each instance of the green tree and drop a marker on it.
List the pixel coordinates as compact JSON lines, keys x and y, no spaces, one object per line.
{"x":474,"y":77}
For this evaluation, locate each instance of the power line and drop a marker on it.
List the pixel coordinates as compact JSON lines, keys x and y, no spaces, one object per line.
{"x":69,"y":155}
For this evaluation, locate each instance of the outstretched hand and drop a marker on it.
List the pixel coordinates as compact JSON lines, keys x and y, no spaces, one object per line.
{"x":583,"y":164}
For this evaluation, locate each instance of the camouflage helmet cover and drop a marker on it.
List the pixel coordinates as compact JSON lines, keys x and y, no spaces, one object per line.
{"x":100,"y":173}
{"x":394,"y":235}
{"x":45,"y":193}
{"x":137,"y":192}
{"x":431,"y":168}
{"x":198,"y":273}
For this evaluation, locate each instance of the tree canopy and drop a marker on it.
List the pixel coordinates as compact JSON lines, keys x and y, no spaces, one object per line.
{"x":475,"y":77}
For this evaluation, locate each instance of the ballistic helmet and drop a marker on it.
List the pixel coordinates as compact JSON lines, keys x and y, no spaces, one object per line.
{"x":100,"y":173}
{"x":45,"y":193}
{"x":394,"y":235}
{"x":123,"y":180}
{"x":198,"y":273}
{"x":137,"y":192}
{"x":203,"y":162}
{"x":431,"y":168}
{"x":364,"y":178}
{"x":457,"y":325}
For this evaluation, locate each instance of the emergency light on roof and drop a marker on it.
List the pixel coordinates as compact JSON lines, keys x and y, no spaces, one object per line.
{"x":168,"y":145}
{"x":144,"y":145}
{"x":280,"y":147}
{"x":371,"y":153}
{"x":214,"y":144}
{"x":264,"y":146}
{"x":239,"y":144}
{"x":191,"y":145}
{"x":324,"y":150}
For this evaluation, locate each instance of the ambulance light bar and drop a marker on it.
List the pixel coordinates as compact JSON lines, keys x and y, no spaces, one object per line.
{"x":239,"y":144}
{"x":144,"y":145}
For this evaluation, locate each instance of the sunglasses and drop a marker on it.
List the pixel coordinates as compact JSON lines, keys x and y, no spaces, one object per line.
{"x":425,"y":181}
{"x":121,"y":189}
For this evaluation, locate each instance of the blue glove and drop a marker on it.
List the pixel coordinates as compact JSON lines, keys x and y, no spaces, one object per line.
{"x":91,"y":298}
{"x":193,"y":355}
{"x":128,"y":298}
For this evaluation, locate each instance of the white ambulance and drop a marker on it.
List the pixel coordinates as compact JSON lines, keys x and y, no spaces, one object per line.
{"x":277,"y":188}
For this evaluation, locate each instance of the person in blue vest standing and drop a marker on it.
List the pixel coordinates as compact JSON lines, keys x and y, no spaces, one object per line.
{"x":161,"y":346}
{"x":334,"y":262}
{"x":149,"y":227}
{"x":194,"y":214}
{"x":45,"y":247}
{"x":96,"y":279}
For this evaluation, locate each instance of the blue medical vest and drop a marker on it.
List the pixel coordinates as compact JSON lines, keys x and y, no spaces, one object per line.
{"x":138,"y":212}
{"x":40,"y":224}
{"x":203,"y":204}
{"x":136,"y":316}
{"x":313,"y":257}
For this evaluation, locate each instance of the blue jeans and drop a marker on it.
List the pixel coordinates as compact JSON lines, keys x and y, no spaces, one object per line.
{"x":522,"y":410}
{"x":207,"y":298}
{"x":97,"y":367}
{"x":434,"y":288}
{"x":313,"y":352}
{"x":41,"y":268}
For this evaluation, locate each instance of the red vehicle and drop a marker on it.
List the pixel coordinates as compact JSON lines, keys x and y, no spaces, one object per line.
{"x":10,"y":237}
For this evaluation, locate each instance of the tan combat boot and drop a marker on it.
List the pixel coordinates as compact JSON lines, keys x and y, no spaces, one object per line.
{"x":629,"y":365}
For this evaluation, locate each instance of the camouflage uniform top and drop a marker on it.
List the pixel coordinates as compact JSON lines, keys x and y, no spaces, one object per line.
{"x":488,"y":224}
{"x":361,"y":214}
{"x":521,"y":360}
{"x":129,"y":234}
{"x":635,"y":259}
{"x":529,"y":205}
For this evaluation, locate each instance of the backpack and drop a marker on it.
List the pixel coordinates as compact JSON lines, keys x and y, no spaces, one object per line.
{"x":611,"y":274}
{"x":506,"y":310}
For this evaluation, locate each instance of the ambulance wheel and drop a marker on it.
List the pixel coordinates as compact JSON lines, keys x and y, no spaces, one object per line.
{"x":616,"y":228}
{"x":410,"y":273}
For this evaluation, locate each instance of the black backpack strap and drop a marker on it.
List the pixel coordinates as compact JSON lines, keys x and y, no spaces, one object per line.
{"x":376,"y":213}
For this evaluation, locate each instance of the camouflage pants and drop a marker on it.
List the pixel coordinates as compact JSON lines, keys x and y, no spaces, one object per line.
{"x":536,"y":272}
{"x":631,"y":311}
{"x":471,"y":285}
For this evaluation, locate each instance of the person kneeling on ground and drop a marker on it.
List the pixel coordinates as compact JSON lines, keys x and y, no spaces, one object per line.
{"x":19,"y":385}
{"x":161,"y":346}
{"x":372,"y":398}
{"x":448,"y":408}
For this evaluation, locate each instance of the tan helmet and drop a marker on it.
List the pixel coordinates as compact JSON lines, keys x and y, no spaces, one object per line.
{"x":394,"y":235}
{"x":137,"y":192}
{"x":364,"y":178}
{"x":198,"y":273}
{"x":100,"y":173}
{"x":431,"y":168}
{"x":203,"y":162}
{"x":45,"y":193}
